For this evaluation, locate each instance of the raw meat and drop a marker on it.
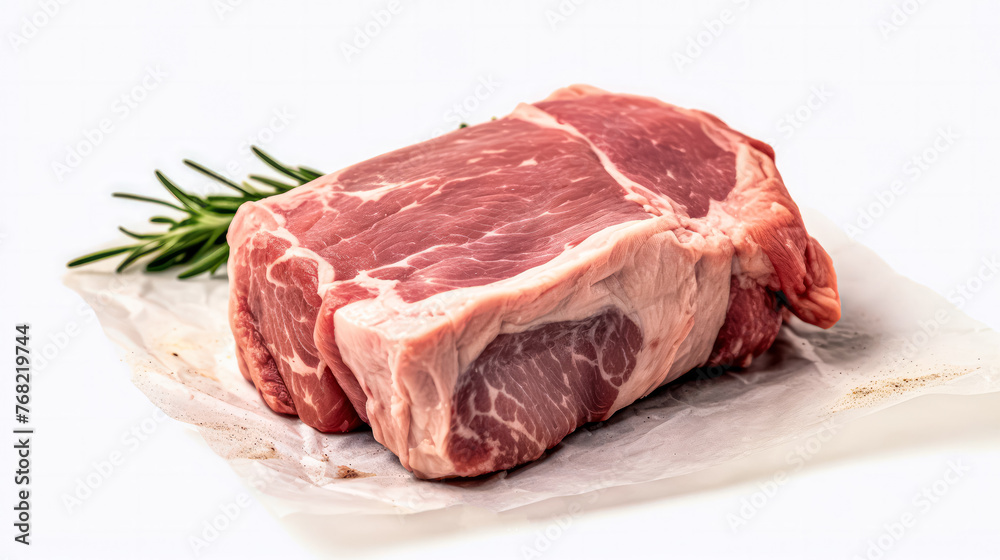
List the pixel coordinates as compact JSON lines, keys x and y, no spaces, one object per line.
{"x":476,"y":297}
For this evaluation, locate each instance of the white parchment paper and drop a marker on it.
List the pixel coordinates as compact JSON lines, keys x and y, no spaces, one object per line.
{"x":896,"y":340}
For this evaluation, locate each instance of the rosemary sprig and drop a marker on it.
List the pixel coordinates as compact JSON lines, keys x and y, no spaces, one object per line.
{"x":197,"y":240}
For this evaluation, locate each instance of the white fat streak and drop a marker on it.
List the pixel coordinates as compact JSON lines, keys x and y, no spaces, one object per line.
{"x":406,"y":260}
{"x":297,"y":365}
{"x":325,"y":272}
{"x":325,"y":275}
{"x":414,"y":319}
{"x":383,"y":289}
{"x":291,"y":199}
{"x":437,"y":190}
{"x":377,"y":193}
{"x":465,"y":431}
{"x":634,"y":192}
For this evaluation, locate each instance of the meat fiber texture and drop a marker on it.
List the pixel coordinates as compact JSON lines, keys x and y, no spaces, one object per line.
{"x":479,"y":296}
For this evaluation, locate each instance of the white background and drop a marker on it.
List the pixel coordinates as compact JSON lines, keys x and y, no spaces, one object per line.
{"x":882,"y":85}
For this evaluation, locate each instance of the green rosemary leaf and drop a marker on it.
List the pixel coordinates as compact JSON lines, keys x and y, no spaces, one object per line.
{"x":160,"y":264}
{"x":209,"y":242}
{"x":277,"y":185}
{"x":278,"y":166}
{"x":178,"y":249}
{"x":197,"y":240}
{"x":179,"y":245}
{"x":137,"y":254}
{"x":191,"y":202}
{"x":139,"y":236}
{"x":99,"y":255}
{"x":221,"y":262}
{"x":203,"y":264}
{"x":255,"y":193}
{"x":213,"y":175}
{"x":309,"y":172}
{"x":141,"y":198}
{"x":227,"y":204}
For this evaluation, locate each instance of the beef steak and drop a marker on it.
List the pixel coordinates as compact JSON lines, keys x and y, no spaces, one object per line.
{"x":476,"y":297}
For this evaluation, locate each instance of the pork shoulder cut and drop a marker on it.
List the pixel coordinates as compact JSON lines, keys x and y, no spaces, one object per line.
{"x":477,"y":297}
